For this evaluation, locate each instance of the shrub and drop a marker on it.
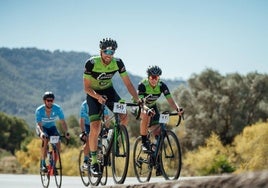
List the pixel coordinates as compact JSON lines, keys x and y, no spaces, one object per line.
{"x":213,"y":158}
{"x":251,"y":148}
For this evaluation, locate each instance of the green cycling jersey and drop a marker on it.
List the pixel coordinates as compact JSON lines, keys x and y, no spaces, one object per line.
{"x":101,"y":75}
{"x":145,"y":90}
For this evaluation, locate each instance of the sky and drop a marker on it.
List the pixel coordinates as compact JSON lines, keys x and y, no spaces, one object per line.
{"x":182,"y":37}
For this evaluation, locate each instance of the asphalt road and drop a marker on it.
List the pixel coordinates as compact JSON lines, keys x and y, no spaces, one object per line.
{"x":34,"y":181}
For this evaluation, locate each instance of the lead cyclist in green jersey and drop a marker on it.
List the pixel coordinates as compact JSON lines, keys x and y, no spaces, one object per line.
{"x":97,"y":77}
{"x":151,"y":89}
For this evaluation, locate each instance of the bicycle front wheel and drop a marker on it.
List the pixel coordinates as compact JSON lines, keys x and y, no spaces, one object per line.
{"x":57,"y":168}
{"x":171,"y":156}
{"x":45,"y":177}
{"x":120,"y":155}
{"x":82,"y":170}
{"x":141,"y":162}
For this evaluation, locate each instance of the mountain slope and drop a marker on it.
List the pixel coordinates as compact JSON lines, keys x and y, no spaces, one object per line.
{"x":26,"y":73}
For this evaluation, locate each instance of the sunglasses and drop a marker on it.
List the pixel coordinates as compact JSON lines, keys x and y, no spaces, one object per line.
{"x":108,"y":52}
{"x":154,"y":77}
{"x":49,"y":100}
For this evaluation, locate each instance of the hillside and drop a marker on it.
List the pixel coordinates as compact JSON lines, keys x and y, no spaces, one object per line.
{"x":25,"y":73}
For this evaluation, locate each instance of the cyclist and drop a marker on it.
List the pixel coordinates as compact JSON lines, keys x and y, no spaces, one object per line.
{"x":97,"y":77}
{"x":45,"y":116}
{"x":85,"y":129}
{"x":151,"y":89}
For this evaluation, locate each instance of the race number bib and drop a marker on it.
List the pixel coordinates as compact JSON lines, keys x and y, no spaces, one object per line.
{"x":120,"y":108}
{"x":164,"y":118}
{"x":54,"y":139}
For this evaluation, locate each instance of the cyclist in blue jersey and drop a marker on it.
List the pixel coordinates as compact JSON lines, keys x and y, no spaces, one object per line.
{"x":98,"y":74}
{"x":151,"y":89}
{"x":46,"y":116}
{"x":85,"y":128}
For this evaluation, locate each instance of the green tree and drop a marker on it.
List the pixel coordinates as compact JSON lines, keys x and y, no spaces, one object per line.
{"x":224,"y":105}
{"x":13,"y":132}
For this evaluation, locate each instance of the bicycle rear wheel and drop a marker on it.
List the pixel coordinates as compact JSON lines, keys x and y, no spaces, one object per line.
{"x":170,"y":156}
{"x":120,"y":155}
{"x":141,"y":162}
{"x":83,"y":172}
{"x":45,"y":177}
{"x":57,"y":168}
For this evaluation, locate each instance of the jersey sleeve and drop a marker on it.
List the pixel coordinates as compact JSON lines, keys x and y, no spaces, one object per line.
{"x":141,"y":90}
{"x":121,"y":67}
{"x":88,"y":68}
{"x":60,"y":113}
{"x":164,"y":89}
{"x":38,"y":117}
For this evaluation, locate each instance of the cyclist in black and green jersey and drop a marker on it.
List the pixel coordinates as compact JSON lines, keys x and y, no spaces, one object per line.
{"x":151,"y":88}
{"x":98,"y":74}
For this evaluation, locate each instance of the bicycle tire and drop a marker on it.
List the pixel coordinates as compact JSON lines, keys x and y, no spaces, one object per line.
{"x":120,"y":155}
{"x":45,"y":176}
{"x":57,"y":167}
{"x":104,"y":177}
{"x":141,"y":162}
{"x":95,"y":180}
{"x":170,"y":159}
{"x":83,"y":172}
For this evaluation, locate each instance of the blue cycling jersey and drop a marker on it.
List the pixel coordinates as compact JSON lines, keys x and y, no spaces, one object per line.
{"x":47,"y":122}
{"x":84,"y":112}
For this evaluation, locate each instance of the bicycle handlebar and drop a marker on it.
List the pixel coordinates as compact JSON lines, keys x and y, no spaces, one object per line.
{"x":123,"y":102}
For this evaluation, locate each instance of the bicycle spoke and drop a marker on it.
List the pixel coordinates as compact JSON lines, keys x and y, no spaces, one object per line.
{"x":57,"y":168}
{"x":141,"y":162}
{"x":82,"y":171}
{"x":120,"y":155}
{"x":171,"y":157}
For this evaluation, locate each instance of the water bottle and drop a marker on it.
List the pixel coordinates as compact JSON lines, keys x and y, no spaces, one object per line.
{"x":105,"y":142}
{"x":110,"y":133}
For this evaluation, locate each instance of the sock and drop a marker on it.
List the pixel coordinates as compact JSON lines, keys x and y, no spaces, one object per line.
{"x":93,"y":157}
{"x":144,"y":138}
{"x":86,"y":159}
{"x":43,"y":162}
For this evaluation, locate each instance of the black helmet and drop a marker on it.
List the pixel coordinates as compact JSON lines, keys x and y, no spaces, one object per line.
{"x":108,"y":43}
{"x":48,"y":94}
{"x":154,"y":70}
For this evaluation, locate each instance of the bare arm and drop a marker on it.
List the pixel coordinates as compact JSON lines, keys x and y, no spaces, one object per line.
{"x":131,"y":89}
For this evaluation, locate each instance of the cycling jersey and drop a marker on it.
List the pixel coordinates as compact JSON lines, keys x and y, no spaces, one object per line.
{"x":152,"y":93}
{"x":47,"y":122}
{"x":100,"y":75}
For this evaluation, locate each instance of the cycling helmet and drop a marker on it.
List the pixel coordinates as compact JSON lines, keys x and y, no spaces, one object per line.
{"x":48,"y":94}
{"x":108,"y":44}
{"x":154,"y":70}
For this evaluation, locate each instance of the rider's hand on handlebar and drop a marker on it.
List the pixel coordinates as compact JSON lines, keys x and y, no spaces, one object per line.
{"x":102,"y":99}
{"x":180,"y":111}
{"x":67,"y":135}
{"x":150,"y":112}
{"x":43,"y":135}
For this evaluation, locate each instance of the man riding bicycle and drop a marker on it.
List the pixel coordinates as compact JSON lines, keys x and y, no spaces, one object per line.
{"x":98,"y":74}
{"x":151,"y":89}
{"x":46,"y":115}
{"x":85,"y":129}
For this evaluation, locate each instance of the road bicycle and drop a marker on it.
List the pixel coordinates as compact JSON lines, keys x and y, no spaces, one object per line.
{"x":115,"y":152}
{"x":53,"y":161}
{"x":84,"y":173}
{"x":164,"y":153}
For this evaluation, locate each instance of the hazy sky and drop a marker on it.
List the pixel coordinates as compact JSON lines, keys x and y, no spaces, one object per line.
{"x":182,"y":37}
